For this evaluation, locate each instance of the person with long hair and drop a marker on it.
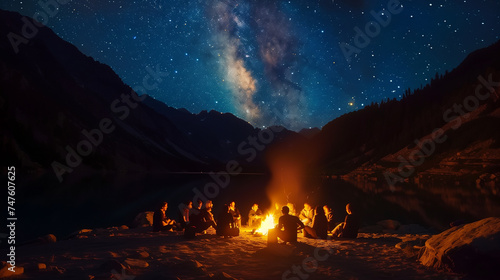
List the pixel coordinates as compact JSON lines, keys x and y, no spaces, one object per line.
{"x":319,"y":226}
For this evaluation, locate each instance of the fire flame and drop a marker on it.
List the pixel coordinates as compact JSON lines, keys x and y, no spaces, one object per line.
{"x":267,"y":224}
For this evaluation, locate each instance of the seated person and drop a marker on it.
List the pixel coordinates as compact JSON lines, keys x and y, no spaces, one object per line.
{"x":236,"y":214}
{"x":225,"y":223}
{"x":195,"y":214}
{"x":254,"y":216}
{"x":329,"y":217}
{"x":184,"y":214}
{"x":319,"y":228}
{"x":349,"y":228}
{"x":205,"y":219}
{"x":160,"y":220}
{"x":290,"y":224}
{"x":306,"y":215}
{"x":291,"y":208}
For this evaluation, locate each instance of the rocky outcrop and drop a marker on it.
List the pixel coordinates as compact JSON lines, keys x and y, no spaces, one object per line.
{"x":143,"y":219}
{"x":471,"y":248}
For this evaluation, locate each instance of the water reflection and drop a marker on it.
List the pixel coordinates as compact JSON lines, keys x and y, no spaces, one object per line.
{"x":45,"y":206}
{"x":437,"y":200}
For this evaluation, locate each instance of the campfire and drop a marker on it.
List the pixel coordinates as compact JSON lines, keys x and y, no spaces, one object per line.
{"x":266,"y":225}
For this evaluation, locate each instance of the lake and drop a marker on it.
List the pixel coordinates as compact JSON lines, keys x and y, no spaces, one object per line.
{"x":45,"y":206}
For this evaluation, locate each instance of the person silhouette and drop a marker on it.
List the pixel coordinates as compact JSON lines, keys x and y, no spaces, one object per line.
{"x":349,"y":228}
{"x":290,"y":225}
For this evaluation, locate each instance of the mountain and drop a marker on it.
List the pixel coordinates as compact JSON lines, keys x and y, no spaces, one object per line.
{"x":64,"y":112}
{"x":388,"y":136}
{"x":215,"y":133}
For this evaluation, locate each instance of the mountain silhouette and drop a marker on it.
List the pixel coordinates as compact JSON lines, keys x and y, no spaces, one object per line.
{"x":63,"y":111}
{"x":372,"y":141}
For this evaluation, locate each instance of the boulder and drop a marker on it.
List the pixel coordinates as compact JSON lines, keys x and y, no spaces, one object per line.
{"x":417,"y":243}
{"x":371,"y":229}
{"x":80,"y":234}
{"x":389,"y":224}
{"x":36,"y":267}
{"x":136,"y":263}
{"x":221,"y":275}
{"x":112,"y":265}
{"x":143,"y":219}
{"x":471,"y":248}
{"x":141,"y":254}
{"x":412,"y":229}
{"x":5,"y":272}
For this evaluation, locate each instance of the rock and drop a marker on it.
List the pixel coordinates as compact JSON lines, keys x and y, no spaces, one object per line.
{"x":389,"y":224}
{"x":137,"y":254}
{"x":136,"y":263}
{"x":124,"y":227}
{"x":371,"y":229}
{"x":36,"y":267}
{"x":410,"y":244}
{"x":471,"y":248}
{"x":197,"y":264}
{"x":143,"y":219}
{"x":5,"y":272}
{"x":49,"y":238}
{"x":412,"y":229}
{"x":57,"y":270}
{"x":111,"y":265}
{"x":113,"y":254}
{"x":84,"y":231}
{"x":221,"y":275}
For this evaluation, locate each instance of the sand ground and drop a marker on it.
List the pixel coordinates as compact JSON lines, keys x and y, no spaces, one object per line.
{"x":100,"y":254}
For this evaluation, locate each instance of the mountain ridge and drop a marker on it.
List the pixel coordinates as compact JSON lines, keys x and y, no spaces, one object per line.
{"x":52,"y":93}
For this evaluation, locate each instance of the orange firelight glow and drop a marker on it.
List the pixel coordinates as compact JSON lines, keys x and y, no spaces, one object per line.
{"x":266,"y":225}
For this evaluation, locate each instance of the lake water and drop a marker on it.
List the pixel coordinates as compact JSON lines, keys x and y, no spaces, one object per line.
{"x":44,"y":206}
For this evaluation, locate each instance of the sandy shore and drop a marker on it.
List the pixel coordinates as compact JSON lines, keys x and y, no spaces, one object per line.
{"x":100,"y":254}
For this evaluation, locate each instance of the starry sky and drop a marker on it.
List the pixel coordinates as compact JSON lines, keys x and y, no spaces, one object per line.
{"x":296,"y":63}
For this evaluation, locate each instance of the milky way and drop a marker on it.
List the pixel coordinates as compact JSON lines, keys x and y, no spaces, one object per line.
{"x":274,"y":62}
{"x":236,"y":26}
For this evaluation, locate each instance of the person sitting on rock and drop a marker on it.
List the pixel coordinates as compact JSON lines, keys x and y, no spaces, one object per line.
{"x":236,"y":214}
{"x":254,"y":216}
{"x":319,"y":228}
{"x":160,"y":220}
{"x":349,"y":228}
{"x":290,"y":225}
{"x":306,"y":215}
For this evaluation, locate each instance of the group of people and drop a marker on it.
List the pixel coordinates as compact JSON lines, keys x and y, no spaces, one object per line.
{"x":198,"y":219}
{"x":316,"y":223}
{"x":313,"y":223}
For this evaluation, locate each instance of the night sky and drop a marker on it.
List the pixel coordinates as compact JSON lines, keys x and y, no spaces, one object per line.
{"x":273,"y":62}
